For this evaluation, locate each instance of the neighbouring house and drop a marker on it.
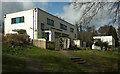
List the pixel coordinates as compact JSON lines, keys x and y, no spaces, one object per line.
{"x":109,"y":39}
{"x":80,"y":43}
{"x":42,"y":28}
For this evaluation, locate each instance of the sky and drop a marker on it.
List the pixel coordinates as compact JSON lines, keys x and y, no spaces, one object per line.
{"x":61,"y":8}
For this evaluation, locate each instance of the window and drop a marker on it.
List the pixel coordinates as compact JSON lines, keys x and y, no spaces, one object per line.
{"x":21,"y":19}
{"x":42,"y":26}
{"x":13,"y":21}
{"x":95,"y":40}
{"x":47,"y":36}
{"x":50,"y":22}
{"x":75,"y":35}
{"x":71,"y":30}
{"x":17,"y":20}
{"x":62,"y":26}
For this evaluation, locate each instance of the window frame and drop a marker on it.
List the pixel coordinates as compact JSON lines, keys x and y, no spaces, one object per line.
{"x":71,"y":29}
{"x":50,"y":22}
{"x":62,"y":26}
{"x":17,"y":20}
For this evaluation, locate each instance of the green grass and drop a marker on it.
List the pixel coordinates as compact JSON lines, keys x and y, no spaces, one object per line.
{"x":11,"y":63}
{"x":52,"y":61}
{"x":104,"y":60}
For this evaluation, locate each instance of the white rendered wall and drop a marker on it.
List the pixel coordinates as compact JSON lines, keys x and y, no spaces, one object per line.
{"x":27,"y":25}
{"x":109,"y":39}
{"x":77,"y":42}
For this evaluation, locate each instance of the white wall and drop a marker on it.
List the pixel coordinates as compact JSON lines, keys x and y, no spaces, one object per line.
{"x":27,"y":25}
{"x":109,"y":39}
{"x":77,"y":42}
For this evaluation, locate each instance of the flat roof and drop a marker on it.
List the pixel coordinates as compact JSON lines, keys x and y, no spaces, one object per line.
{"x":43,"y":11}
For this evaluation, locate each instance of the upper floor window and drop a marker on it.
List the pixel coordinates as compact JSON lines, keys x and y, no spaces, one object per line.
{"x":71,"y":30}
{"x":17,"y":20}
{"x":50,"y":22}
{"x":62,"y":26}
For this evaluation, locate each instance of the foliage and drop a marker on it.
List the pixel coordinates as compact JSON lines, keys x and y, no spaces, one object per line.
{"x":13,"y":40}
{"x":99,"y":43}
{"x":15,"y":43}
{"x":106,"y":45}
{"x":83,"y":48}
{"x":102,"y":44}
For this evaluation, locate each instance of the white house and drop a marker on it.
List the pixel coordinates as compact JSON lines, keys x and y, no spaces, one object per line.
{"x":40,"y":25}
{"x":109,"y":39}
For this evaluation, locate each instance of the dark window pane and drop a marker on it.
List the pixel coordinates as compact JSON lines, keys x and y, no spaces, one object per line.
{"x":21,"y":19}
{"x":50,"y":22}
{"x":47,"y":36}
{"x":42,"y":26}
{"x":71,"y":30}
{"x":62,"y":26}
{"x":17,"y":20}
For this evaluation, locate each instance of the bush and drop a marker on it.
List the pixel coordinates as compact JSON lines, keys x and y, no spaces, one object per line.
{"x":14,"y":43}
{"x":16,"y":40}
{"x":73,"y":47}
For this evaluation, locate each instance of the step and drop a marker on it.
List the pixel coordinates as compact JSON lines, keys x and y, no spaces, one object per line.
{"x":83,"y":62}
{"x":77,"y":60}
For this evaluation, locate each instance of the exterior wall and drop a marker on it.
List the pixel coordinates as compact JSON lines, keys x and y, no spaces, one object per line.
{"x":109,"y":39}
{"x":77,"y":42}
{"x":42,"y":18}
{"x":27,"y":25}
{"x":33,"y":18}
{"x":40,"y":43}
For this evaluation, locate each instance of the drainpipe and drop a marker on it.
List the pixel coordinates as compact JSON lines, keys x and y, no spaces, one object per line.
{"x":33,"y":24}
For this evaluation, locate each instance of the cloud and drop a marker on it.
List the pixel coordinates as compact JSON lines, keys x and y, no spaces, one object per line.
{"x":9,"y":7}
{"x":92,"y":13}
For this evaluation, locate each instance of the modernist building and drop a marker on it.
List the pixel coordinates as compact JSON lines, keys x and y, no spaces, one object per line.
{"x":39,"y":25}
{"x":109,"y":39}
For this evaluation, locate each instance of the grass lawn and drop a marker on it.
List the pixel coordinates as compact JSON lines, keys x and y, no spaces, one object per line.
{"x":11,"y":63}
{"x":104,"y":60}
{"x":52,"y":61}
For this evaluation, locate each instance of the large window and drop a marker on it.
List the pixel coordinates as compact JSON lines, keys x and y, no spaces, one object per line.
{"x":71,"y":30}
{"x":17,"y":20}
{"x":62,"y":26}
{"x":50,"y":22}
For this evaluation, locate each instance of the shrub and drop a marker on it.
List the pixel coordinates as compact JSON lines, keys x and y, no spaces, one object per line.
{"x":21,"y":40}
{"x":14,"y":43}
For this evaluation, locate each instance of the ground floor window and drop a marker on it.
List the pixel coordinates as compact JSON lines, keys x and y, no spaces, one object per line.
{"x":47,"y":36}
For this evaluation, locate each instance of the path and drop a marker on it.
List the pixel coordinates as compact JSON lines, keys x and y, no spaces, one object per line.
{"x":32,"y":65}
{"x":85,"y":64}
